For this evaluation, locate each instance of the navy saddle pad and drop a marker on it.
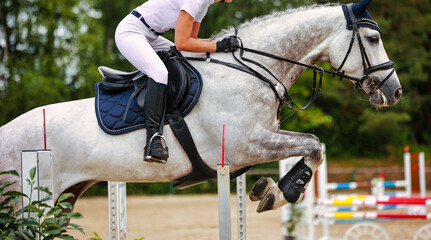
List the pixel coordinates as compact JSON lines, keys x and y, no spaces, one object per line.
{"x":111,"y":105}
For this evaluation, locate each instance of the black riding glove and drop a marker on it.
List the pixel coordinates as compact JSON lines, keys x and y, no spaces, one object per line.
{"x":228,"y":44}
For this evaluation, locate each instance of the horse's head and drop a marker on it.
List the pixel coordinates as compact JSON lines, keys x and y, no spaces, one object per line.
{"x":359,"y":52}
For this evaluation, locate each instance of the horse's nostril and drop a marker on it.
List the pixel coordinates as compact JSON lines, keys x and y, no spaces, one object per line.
{"x":398,"y":93}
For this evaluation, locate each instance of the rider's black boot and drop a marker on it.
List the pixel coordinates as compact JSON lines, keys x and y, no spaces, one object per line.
{"x":154,"y":110}
{"x":294,"y":183}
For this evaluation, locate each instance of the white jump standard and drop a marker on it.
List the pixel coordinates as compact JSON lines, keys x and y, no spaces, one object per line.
{"x":42,"y":161}
{"x":117,"y":210}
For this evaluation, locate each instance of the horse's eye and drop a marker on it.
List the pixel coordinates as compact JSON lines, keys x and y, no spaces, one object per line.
{"x":374,"y":39}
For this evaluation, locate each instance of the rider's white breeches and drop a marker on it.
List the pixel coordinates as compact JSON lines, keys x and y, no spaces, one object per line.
{"x":138,"y":45}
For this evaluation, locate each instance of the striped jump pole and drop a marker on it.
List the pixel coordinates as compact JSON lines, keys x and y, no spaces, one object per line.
{"x":373,"y":201}
{"x":396,"y":200}
{"x":356,"y":208}
{"x":406,"y":183}
{"x":357,"y":185}
{"x":373,"y":215}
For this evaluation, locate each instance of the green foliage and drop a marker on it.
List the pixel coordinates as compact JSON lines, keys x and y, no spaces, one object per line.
{"x":349,"y":125}
{"x":96,"y":236}
{"x":37,"y":220}
{"x":50,"y":50}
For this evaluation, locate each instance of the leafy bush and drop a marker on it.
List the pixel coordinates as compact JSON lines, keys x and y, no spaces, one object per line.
{"x":37,"y":220}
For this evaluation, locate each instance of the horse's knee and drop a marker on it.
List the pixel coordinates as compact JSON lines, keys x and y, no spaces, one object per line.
{"x":315,"y":156}
{"x":314,"y":137}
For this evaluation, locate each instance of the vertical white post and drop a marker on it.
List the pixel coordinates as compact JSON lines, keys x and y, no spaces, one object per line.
{"x":46,"y":173}
{"x":407,"y":174}
{"x":284,"y":166}
{"x":323,"y":191}
{"x":29,"y":161}
{"x":117,"y":211}
{"x":309,"y":203}
{"x":422,"y":181}
{"x":42,"y":161}
{"x":223,"y":187}
{"x":241,"y":206}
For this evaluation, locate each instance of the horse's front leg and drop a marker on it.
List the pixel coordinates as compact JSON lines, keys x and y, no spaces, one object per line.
{"x":269,"y":146}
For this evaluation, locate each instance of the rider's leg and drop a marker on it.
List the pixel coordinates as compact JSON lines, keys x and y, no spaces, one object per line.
{"x":135,"y":43}
{"x":154,"y":110}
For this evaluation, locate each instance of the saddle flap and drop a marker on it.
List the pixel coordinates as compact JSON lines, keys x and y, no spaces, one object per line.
{"x":178,"y":84}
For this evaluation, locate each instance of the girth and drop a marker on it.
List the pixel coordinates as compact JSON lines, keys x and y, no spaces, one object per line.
{"x":200,"y":170}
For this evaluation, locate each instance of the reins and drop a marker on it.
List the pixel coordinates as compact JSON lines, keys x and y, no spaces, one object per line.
{"x":318,"y":72}
{"x":285,"y":99}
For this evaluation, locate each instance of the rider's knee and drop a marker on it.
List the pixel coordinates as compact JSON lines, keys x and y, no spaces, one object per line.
{"x":160,"y":75}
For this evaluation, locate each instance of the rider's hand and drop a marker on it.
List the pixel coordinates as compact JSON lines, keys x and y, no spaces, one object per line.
{"x":228,"y":44}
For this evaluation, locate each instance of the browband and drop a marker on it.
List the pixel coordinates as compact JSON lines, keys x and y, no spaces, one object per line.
{"x":364,"y":20}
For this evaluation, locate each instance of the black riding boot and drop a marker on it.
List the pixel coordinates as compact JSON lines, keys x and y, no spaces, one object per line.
{"x":154,"y":110}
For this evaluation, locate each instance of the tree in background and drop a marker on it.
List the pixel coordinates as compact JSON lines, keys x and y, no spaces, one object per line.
{"x":47,"y":52}
{"x":354,"y":128}
{"x":50,"y":50}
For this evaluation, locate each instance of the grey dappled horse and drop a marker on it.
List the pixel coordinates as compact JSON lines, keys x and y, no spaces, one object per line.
{"x":84,"y":154}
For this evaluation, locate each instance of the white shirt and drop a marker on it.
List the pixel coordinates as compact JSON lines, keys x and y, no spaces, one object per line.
{"x":162,"y":15}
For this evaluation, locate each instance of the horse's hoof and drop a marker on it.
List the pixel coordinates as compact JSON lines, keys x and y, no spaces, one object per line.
{"x":260,"y":188}
{"x":267,"y":202}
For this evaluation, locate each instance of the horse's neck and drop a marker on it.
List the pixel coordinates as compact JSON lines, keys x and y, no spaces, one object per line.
{"x":301,"y":36}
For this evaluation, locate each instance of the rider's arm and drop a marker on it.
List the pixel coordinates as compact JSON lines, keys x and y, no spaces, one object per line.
{"x":186,"y":32}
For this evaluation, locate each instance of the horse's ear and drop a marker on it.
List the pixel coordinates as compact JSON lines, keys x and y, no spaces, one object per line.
{"x":360,"y":7}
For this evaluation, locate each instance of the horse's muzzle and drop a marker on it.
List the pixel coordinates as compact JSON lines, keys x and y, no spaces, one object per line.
{"x":383,"y":98}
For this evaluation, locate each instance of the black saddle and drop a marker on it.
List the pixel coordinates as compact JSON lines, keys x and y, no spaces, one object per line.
{"x":178,"y":80}
{"x":184,"y":88}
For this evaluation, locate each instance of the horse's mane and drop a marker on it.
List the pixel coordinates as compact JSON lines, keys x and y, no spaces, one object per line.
{"x":256,"y":20}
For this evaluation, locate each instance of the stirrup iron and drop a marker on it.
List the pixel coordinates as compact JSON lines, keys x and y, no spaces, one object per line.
{"x":147,"y":155}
